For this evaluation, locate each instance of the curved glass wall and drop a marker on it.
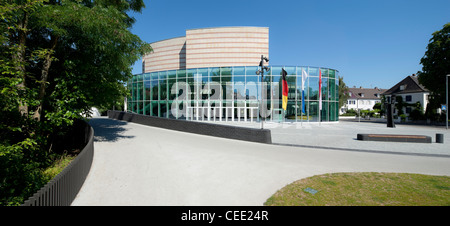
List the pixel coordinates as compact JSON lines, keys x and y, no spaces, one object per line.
{"x":234,"y":94}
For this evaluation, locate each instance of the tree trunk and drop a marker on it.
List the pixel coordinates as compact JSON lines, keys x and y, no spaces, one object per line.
{"x":19,"y":59}
{"x":44,"y":78}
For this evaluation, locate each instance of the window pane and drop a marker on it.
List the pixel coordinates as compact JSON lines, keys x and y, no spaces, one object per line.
{"x":146,"y":108}
{"x":331,"y":89}
{"x":325,"y":89}
{"x":148,"y":90}
{"x":225,"y":71}
{"x":155,"y":87}
{"x":172,"y":74}
{"x":275,"y":71}
{"x":291,"y":81}
{"x":172,"y":82}
{"x":290,"y":70}
{"x":154,"y":76}
{"x":251,"y":71}
{"x":227,"y":86}
{"x":203,"y":72}
{"x":162,"y":89}
{"x":140,"y":90}
{"x":313,"y":110}
{"x":181,"y":73}
{"x":313,"y":89}
{"x":147,"y":76}
{"x":238,"y":71}
{"x":324,"y":72}
{"x":313,"y":71}
{"x":332,"y":73}
{"x":239,"y":87}
{"x":162,"y":75}
{"x":253,"y":87}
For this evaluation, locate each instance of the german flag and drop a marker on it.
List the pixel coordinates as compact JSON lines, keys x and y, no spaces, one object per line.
{"x":285,"y":89}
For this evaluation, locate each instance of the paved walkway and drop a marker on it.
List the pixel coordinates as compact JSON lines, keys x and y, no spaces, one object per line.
{"x":342,"y":136}
{"x":140,"y":165}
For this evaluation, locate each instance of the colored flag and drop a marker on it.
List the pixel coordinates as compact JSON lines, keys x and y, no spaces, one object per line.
{"x":304,"y":77}
{"x":285,"y":89}
{"x":320,"y":90}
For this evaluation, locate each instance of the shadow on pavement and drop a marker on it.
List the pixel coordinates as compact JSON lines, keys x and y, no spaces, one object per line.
{"x":108,"y":130}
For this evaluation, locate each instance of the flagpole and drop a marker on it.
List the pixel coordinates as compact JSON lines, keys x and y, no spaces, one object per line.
{"x":320,"y":97}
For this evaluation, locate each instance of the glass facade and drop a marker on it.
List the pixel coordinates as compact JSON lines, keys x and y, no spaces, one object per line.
{"x":234,"y":94}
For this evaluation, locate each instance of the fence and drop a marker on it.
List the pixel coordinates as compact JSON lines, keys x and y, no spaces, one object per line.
{"x":63,"y":189}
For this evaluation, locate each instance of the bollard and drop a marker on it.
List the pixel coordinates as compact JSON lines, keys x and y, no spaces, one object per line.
{"x":439,"y":138}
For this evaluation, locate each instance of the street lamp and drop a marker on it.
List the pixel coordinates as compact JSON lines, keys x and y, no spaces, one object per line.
{"x":446,"y":101}
{"x":261,"y":64}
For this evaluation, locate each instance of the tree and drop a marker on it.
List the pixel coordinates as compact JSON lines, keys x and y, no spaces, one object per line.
{"x":436,"y":65}
{"x":59,"y":58}
{"x":343,"y":92}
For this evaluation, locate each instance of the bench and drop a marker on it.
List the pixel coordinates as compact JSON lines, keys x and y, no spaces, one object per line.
{"x":394,"y":138}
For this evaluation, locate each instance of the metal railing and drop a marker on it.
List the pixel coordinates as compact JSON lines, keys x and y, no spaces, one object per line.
{"x":63,"y":189}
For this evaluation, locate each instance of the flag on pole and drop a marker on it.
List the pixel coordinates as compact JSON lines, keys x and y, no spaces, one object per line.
{"x":304,"y":77}
{"x":285,"y":89}
{"x":320,"y":89}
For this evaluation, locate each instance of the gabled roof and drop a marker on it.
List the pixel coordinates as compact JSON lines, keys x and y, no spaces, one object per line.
{"x":408,"y":85}
{"x":369,"y":94}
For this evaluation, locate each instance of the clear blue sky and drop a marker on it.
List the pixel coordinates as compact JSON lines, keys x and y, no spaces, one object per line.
{"x":371,"y":43}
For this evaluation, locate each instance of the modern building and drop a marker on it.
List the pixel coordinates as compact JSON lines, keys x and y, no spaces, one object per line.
{"x":411,"y":92}
{"x":362,"y":98}
{"x":211,"y":74}
{"x":209,"y":47}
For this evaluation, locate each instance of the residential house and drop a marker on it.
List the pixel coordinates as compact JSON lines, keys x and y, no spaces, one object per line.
{"x":362,"y":98}
{"x":410,"y":91}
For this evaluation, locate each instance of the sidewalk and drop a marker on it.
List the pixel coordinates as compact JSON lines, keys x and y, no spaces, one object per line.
{"x":140,"y":165}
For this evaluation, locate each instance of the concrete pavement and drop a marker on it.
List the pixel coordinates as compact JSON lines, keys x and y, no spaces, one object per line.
{"x":140,"y":165}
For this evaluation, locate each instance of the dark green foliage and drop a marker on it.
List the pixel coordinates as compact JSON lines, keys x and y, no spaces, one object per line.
{"x":59,"y":58}
{"x":436,"y":65}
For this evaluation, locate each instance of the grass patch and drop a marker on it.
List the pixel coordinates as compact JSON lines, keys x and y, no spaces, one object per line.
{"x":365,"y":189}
{"x":57,"y":166}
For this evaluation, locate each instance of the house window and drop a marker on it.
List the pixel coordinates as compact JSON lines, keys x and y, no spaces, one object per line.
{"x":408,"y":98}
{"x":402,"y":87}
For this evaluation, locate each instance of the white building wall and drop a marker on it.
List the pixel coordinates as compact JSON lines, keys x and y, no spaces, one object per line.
{"x":360,"y":104}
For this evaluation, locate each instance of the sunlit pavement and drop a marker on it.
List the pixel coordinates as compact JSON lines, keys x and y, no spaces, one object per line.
{"x":140,"y":165}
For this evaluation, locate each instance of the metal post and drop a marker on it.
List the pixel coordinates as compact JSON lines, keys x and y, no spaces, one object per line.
{"x":262,"y":77}
{"x":446,"y":101}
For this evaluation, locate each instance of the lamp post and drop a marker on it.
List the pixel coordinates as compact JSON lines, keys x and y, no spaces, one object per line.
{"x":446,"y":101}
{"x":261,"y":64}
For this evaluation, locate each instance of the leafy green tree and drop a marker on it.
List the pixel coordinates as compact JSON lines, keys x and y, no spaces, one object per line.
{"x":59,"y":58}
{"x":436,"y":65}
{"x":343,"y":92}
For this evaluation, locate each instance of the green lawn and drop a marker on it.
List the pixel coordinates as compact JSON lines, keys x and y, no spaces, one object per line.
{"x":365,"y":189}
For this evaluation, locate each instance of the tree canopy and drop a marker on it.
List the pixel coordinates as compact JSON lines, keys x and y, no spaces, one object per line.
{"x":436,"y":65}
{"x":343,"y":92}
{"x":59,"y":58}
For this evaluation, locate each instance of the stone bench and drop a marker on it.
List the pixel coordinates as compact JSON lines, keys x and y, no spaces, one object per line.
{"x":394,"y":138}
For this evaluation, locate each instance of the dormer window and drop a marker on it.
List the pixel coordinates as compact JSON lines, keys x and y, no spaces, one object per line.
{"x":402,"y":87}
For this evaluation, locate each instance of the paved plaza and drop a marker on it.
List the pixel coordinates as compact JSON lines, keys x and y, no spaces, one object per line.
{"x":141,"y":165}
{"x":342,"y":136}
